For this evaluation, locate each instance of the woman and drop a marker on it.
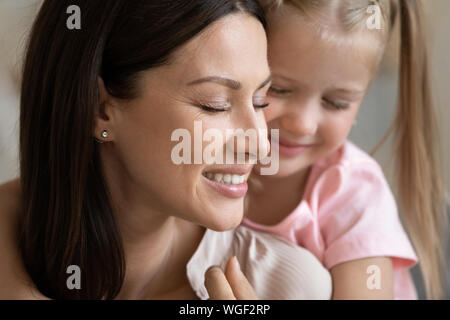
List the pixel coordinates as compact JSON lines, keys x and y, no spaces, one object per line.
{"x":98,"y":188}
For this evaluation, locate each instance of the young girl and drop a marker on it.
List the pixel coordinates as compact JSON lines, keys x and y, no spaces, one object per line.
{"x":329,"y":196}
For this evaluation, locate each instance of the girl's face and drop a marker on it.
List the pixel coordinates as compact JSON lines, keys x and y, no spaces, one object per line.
{"x":139,"y":153}
{"x":317,"y":88}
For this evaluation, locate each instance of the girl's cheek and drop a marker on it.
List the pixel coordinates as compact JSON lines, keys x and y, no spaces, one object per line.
{"x":273,"y":111}
{"x":336,"y":132}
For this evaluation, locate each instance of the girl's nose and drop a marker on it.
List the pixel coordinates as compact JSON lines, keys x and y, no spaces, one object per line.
{"x":303,"y":122}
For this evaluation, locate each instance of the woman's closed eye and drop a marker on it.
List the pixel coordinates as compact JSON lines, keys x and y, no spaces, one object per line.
{"x":213,"y":105}
{"x":261,"y":106}
{"x":215,"y":108}
{"x":260,"y":102}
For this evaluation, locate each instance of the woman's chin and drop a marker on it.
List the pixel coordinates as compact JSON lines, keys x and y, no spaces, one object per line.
{"x":225,"y":219}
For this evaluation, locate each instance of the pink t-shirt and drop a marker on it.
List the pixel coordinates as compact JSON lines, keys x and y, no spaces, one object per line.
{"x":348,"y":212}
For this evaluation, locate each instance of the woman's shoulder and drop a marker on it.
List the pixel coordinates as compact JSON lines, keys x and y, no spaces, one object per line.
{"x":14,"y":279}
{"x":10,"y":206}
{"x":9,"y":198}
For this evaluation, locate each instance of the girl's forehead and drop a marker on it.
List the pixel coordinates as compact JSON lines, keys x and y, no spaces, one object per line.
{"x":319,"y":62}
{"x":327,"y":22}
{"x":298,"y":38}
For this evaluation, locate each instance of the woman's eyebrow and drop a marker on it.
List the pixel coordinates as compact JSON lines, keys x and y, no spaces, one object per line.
{"x":233,"y":84}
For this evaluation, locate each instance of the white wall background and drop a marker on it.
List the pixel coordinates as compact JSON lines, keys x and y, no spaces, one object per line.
{"x":16,"y":17}
{"x":378,"y":109}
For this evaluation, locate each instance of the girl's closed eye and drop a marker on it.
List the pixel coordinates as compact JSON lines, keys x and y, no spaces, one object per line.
{"x":336,"y":104}
{"x":275,"y":90}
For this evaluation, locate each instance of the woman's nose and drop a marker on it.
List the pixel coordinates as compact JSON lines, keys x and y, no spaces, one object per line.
{"x":251,"y":130}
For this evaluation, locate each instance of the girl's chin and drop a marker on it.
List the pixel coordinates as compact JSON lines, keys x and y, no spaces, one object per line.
{"x":283,"y":171}
{"x":289,"y":167}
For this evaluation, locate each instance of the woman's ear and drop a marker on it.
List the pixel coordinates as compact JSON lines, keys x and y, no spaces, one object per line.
{"x":104,"y":115}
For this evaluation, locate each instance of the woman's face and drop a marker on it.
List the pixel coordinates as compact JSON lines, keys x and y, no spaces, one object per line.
{"x":172,"y":97}
{"x":318,"y":85}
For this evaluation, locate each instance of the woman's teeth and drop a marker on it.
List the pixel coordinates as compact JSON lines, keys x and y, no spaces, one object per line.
{"x":225,"y":178}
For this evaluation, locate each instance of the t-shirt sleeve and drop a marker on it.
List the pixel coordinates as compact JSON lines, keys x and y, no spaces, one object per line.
{"x":358,"y":217}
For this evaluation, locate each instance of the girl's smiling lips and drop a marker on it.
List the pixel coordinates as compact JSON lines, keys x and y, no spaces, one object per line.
{"x":291,"y":149}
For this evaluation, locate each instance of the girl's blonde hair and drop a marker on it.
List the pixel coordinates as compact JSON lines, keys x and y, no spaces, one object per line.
{"x":419,"y":183}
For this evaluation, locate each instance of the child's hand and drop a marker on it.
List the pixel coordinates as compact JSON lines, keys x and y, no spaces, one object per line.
{"x":231,"y":285}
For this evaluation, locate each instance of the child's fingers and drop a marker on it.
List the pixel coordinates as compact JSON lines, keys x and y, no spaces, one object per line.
{"x":217,"y":285}
{"x":242,"y":289}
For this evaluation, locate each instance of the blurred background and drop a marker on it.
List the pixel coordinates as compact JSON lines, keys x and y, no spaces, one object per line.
{"x":375,"y":117}
{"x":378,"y":109}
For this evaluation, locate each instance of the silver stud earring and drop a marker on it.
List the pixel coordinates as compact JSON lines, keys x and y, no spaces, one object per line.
{"x":104,"y":136}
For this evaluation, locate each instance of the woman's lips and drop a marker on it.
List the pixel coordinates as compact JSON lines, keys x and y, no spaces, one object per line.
{"x":230,"y":182}
{"x":233,"y":191}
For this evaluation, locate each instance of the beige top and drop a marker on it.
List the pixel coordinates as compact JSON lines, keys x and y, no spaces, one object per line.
{"x":277,"y":269}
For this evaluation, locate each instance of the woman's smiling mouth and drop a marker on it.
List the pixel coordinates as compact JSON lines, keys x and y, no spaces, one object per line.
{"x":230,"y":181}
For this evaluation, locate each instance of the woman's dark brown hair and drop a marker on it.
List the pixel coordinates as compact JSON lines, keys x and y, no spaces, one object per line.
{"x":67,"y":218}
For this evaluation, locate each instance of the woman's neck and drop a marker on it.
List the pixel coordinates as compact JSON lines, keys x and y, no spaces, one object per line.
{"x":157,"y":246}
{"x":156,"y":259}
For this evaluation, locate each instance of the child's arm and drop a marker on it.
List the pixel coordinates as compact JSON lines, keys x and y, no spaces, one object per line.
{"x":356,"y":279}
